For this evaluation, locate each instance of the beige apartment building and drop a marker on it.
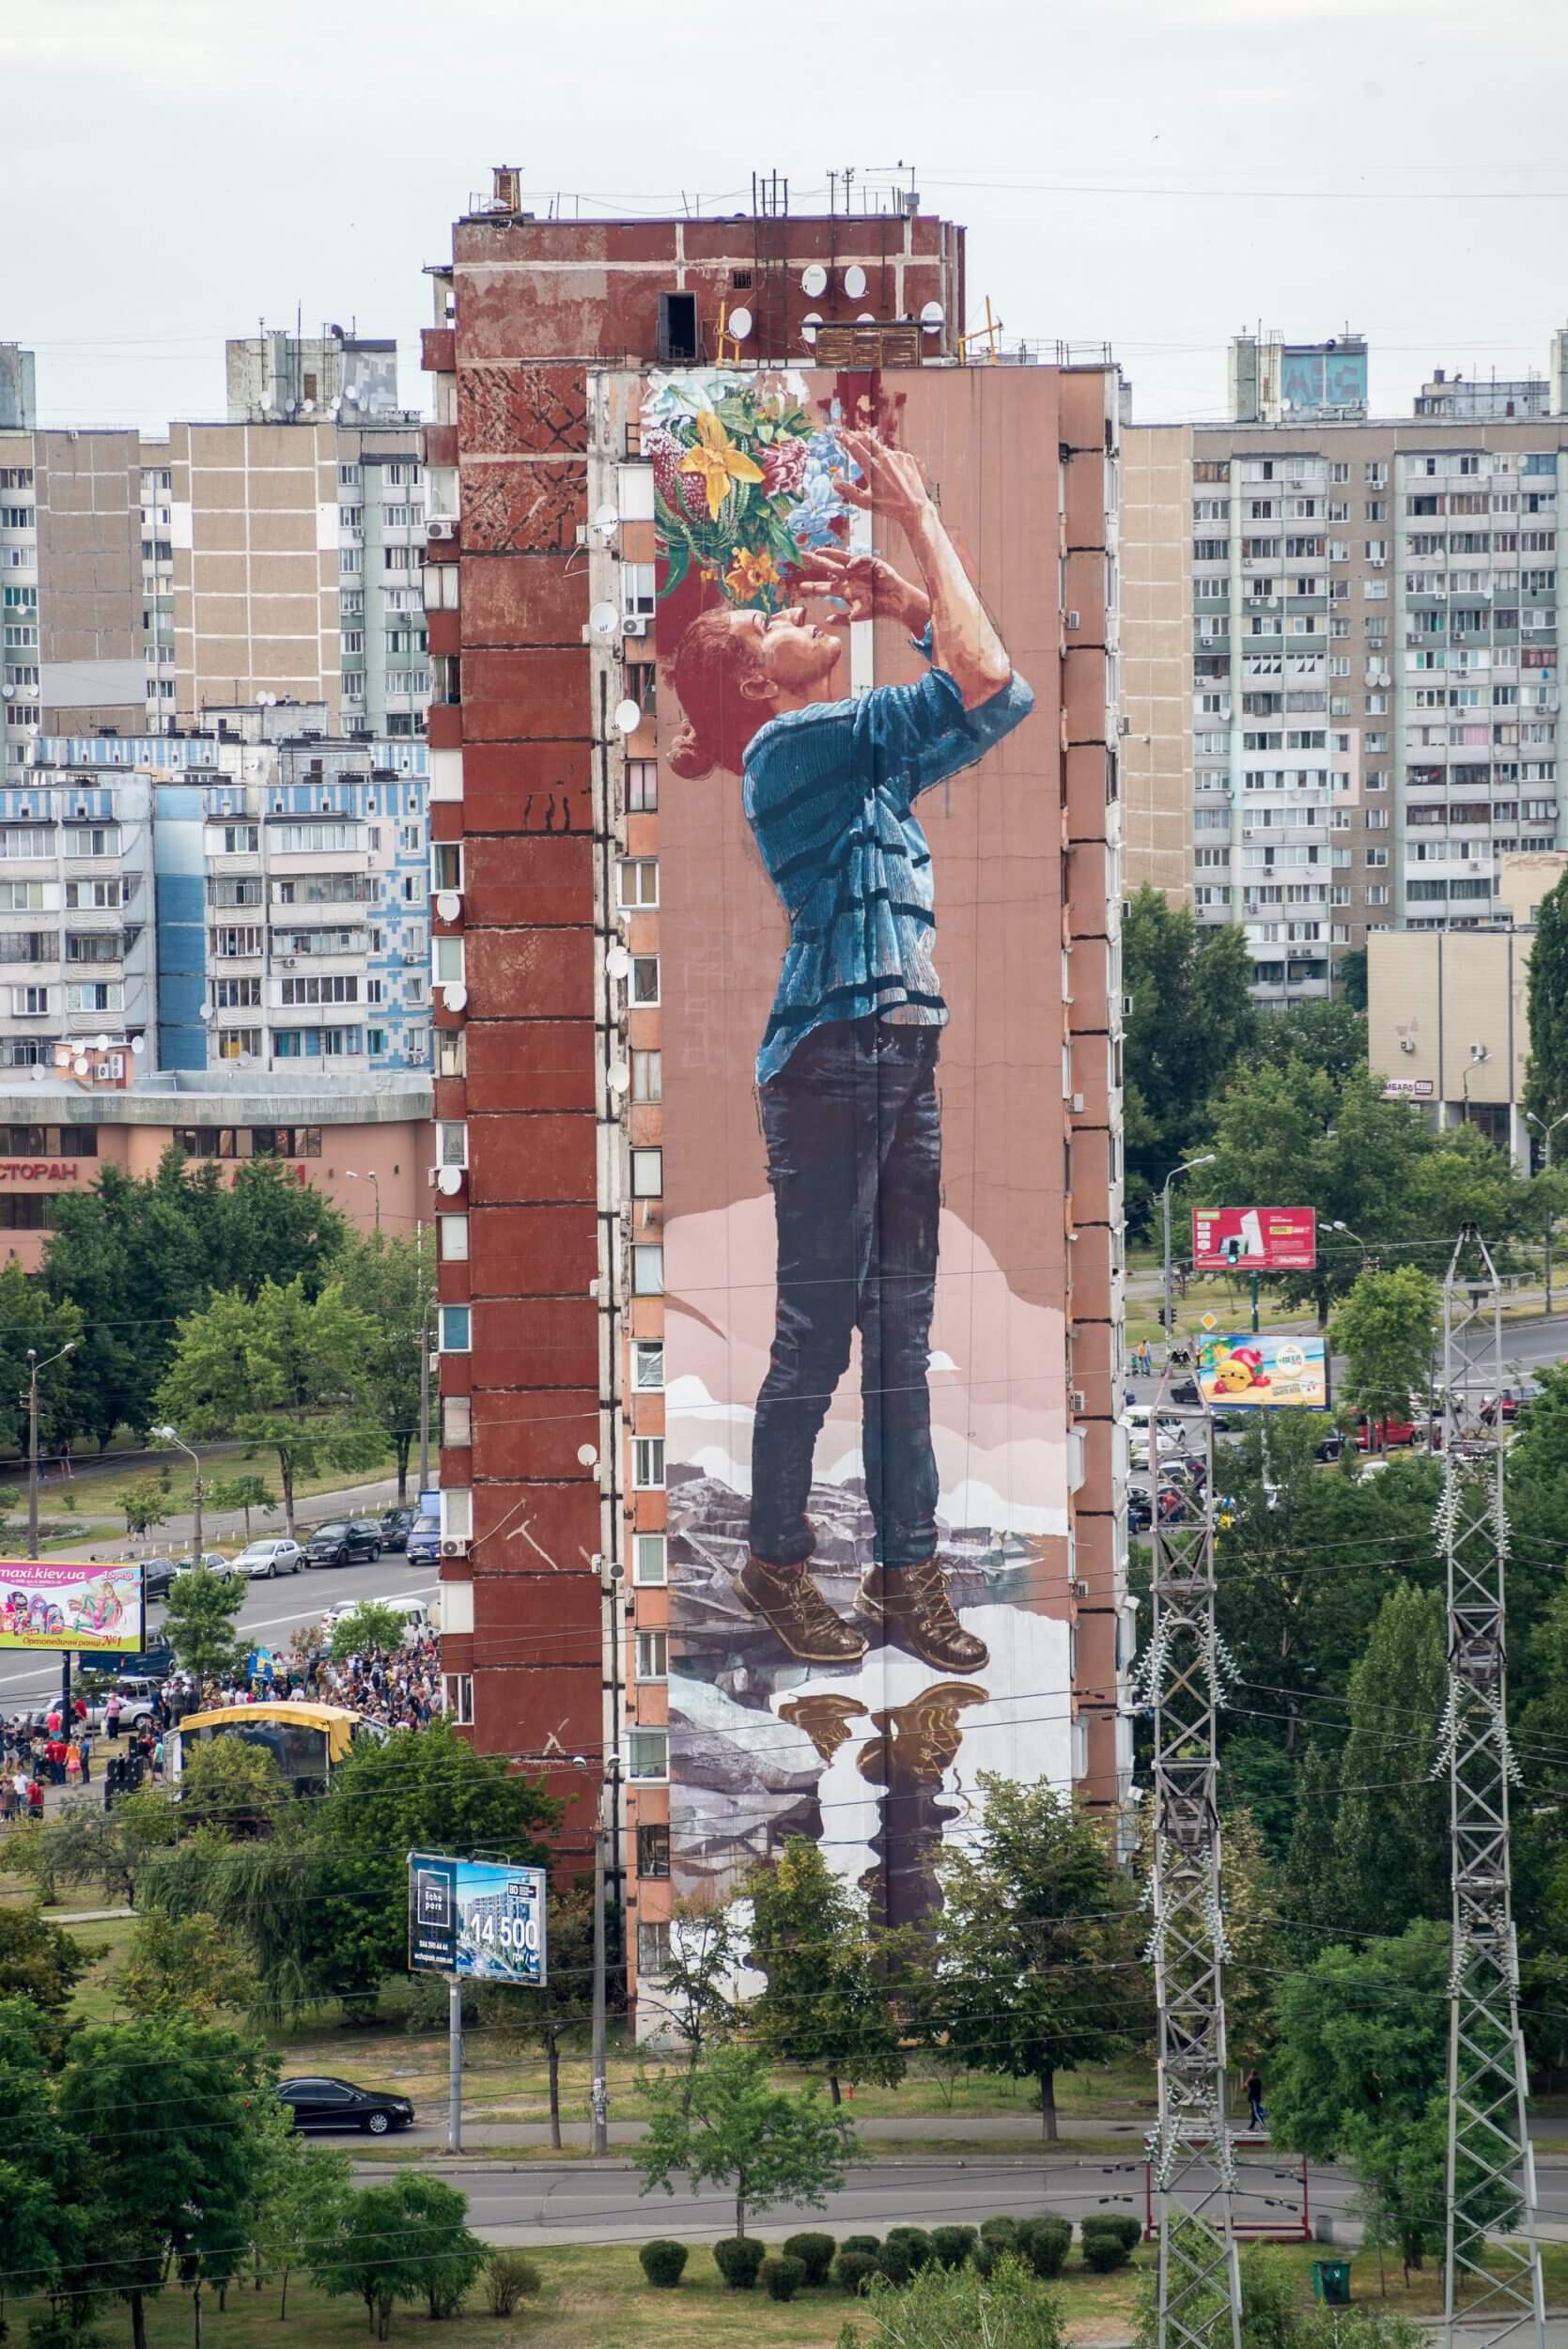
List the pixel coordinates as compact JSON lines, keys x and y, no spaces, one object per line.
{"x":1156,"y":662}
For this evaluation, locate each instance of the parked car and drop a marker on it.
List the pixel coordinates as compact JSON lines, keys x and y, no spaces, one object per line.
{"x":1393,"y":1433}
{"x":423,"y":1548}
{"x":214,"y":1560}
{"x":397,"y":1525}
{"x":325,"y":2103}
{"x":344,"y":1542}
{"x":1510,"y":1403}
{"x":412,"y":1613}
{"x":261,"y":1561}
{"x":137,"y":1697}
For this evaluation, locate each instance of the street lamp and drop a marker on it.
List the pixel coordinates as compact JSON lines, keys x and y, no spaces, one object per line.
{"x":1480,"y":1054}
{"x":1547,"y":1133}
{"x":1189,"y":1167}
{"x":1338,"y":1226}
{"x":34,"y":1366}
{"x":172,"y":1434}
{"x":375,"y":1183}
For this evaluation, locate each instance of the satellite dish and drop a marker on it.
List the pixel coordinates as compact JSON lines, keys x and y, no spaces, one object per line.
{"x":103,"y":1043}
{"x":854,"y":281}
{"x":607,"y":518}
{"x":866,"y":318}
{"x":933,"y":319}
{"x":38,"y":1072}
{"x":456,"y":996}
{"x":81,"y":1066}
{"x":809,"y":325}
{"x":629,"y":716}
{"x":449,"y":1181}
{"x":617,"y":963}
{"x":740,"y":323}
{"x":448,"y":905}
{"x":138,"y":1044}
{"x":619,"y":1078}
{"x":587,"y":1456}
{"x":207,"y":1013}
{"x":604,"y":619}
{"x":813,"y":280}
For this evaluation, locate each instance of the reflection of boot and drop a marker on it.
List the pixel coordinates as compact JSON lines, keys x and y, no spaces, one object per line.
{"x":797,"y":1614}
{"x":824,"y":1717}
{"x":910,"y":1605}
{"x":919,"y":1739}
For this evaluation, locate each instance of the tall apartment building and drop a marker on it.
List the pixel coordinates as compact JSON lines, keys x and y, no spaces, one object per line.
{"x":1376,"y":670}
{"x":606,"y":944}
{"x":144,"y":578}
{"x":255,"y":895}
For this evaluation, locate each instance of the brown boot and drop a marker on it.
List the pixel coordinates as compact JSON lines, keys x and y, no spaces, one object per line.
{"x":910,"y":1606}
{"x":797,"y":1614}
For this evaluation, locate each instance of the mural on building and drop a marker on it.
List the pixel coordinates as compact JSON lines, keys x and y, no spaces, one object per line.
{"x":862,"y":1046}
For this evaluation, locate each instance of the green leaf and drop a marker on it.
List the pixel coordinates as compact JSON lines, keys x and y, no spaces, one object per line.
{"x":677,"y":562}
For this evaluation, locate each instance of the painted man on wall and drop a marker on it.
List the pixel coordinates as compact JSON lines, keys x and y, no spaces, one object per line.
{"x":846,"y":1070}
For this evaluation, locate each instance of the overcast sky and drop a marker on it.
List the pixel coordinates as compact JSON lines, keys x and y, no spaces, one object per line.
{"x":1154,"y":173}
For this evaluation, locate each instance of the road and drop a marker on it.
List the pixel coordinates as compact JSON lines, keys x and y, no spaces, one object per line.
{"x":269,"y":1612}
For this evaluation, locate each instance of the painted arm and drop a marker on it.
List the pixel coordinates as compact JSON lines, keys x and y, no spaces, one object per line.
{"x":965,"y":640}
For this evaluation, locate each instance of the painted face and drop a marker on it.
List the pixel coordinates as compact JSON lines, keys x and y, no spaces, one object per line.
{"x":794,"y":653}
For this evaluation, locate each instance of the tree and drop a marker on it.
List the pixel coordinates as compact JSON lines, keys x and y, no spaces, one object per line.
{"x":563,"y":2003}
{"x":230,"y":1787}
{"x":373,"y":1624}
{"x":143,"y":1504}
{"x":1391,"y":1834}
{"x":242,"y":1492}
{"x":696,"y":1988}
{"x":43,"y":2179}
{"x":1190,"y":1022}
{"x":397,"y":2242}
{"x":1328,"y":1036}
{"x":172,"y":2191}
{"x":1033,"y":1948}
{"x":728,"y":2125}
{"x":1352,"y":969}
{"x":394,"y":1281}
{"x":942,"y":2307}
{"x":83,"y":1843}
{"x":1546,"y":1075}
{"x":184,"y":1966}
{"x":1387,"y":1329}
{"x":39,"y":1962}
{"x":284,"y":1372}
{"x":1359,"y":2074}
{"x":199,"y":1617}
{"x":301,"y":2195}
{"x":828,"y":2001}
{"x":30,"y":1318}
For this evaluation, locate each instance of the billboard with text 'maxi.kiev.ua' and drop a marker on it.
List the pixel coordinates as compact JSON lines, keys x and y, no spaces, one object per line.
{"x":861,"y":836}
{"x":70,"y":1603}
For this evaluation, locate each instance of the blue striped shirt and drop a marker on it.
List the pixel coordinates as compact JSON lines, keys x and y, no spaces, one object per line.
{"x":830,"y":793}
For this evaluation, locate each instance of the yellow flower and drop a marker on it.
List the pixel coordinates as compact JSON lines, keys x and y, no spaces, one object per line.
{"x":751,"y":573}
{"x":719,"y":461}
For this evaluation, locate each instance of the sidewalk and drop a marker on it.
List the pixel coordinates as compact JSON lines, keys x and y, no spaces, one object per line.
{"x":228,"y":1525}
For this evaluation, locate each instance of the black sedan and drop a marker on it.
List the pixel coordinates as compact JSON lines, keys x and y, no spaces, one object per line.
{"x":395,"y":1528}
{"x":332,"y":2103}
{"x":344,"y":1542}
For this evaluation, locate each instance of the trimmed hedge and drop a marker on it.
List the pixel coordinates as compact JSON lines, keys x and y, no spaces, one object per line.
{"x":851,"y":2268}
{"x":870,"y":2244}
{"x":1104,"y":2253}
{"x":737,"y":2258}
{"x":815,"y":2253}
{"x":999,"y":2231}
{"x":895,"y":2261}
{"x":1044,"y":2243}
{"x":917,"y":2243}
{"x":783,"y":2278}
{"x":952,"y":2245}
{"x":1127,"y":2229}
{"x":663,"y":2263}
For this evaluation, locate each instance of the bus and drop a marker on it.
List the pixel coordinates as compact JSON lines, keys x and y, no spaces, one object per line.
{"x":304,"y":1740}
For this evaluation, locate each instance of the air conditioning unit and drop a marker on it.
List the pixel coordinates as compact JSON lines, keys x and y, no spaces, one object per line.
{"x":1073,"y":620}
{"x":1075,"y":1399}
{"x":634,"y":624}
{"x":436,"y":530}
{"x":454,"y":1549}
{"x":1081,"y":1589}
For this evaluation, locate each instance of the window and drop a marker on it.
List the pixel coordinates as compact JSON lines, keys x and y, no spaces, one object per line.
{"x":653,"y":1853}
{"x":648,"y":1366}
{"x":642,"y":785}
{"x":451,"y":1143}
{"x":239,"y":1043}
{"x":29,"y":1003}
{"x":647,"y":1457}
{"x":236,"y":939}
{"x":647,"y":1174}
{"x":454,"y":1239}
{"x":446,"y":958}
{"x":446,"y":865}
{"x":653,"y":1938}
{"x":459,"y":1699}
{"x":240,"y":840}
{"x":647,"y":1076}
{"x":647,"y":1270}
{"x":644,"y":980}
{"x":96,"y":995}
{"x":451,"y":1053}
{"x":456,"y":1329}
{"x":294,"y":992}
{"x":98,"y":840}
{"x":653,"y":1661}
{"x":648,"y":1757}
{"x":637,"y":882}
{"x":649,"y":1562}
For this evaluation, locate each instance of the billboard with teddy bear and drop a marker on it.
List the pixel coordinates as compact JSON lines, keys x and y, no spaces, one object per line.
{"x":1264,"y":1373}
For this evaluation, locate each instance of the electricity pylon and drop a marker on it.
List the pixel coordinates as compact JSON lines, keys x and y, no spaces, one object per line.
{"x":1190,"y":2147}
{"x":1491,"y":2168}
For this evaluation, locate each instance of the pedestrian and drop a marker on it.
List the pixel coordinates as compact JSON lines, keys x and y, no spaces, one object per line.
{"x":54,"y":1754}
{"x":85,"y":1745}
{"x":158,"y":1763}
{"x":111,"y":1716}
{"x":34,"y":1800}
{"x":1259,"y":2118}
{"x":73,"y":1763}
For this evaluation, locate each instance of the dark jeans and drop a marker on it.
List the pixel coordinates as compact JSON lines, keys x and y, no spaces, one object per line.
{"x":853,"y":1130}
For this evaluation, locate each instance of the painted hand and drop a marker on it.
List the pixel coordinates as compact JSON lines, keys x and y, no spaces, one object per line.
{"x":869,"y":588}
{"x":891,"y":482}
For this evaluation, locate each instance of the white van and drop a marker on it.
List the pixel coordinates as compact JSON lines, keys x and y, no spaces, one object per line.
{"x":417,"y":1620}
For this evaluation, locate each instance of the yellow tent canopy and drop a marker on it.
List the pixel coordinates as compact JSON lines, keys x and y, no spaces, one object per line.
{"x":335,"y":1721}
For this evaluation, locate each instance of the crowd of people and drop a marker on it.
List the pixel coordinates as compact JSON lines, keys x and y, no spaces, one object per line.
{"x":400,"y":1688}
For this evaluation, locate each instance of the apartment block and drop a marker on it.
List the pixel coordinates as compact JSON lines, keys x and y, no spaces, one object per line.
{"x":255,"y":894}
{"x":605,"y":942}
{"x":1376,"y":670}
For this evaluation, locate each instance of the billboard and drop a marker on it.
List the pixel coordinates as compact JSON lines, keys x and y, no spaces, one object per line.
{"x":862,"y":1029}
{"x":477,"y":1918}
{"x":1264,"y":1373}
{"x":70,"y":1603}
{"x":1254,"y":1239}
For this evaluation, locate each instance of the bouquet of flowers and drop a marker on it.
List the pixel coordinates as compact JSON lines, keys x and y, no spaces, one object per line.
{"x":743,"y":482}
